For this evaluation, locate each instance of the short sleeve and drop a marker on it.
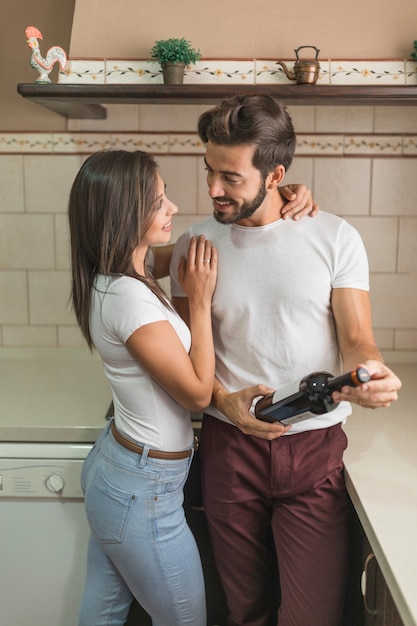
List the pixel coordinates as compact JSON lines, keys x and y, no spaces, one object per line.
{"x":352,"y":267}
{"x":129,"y":305}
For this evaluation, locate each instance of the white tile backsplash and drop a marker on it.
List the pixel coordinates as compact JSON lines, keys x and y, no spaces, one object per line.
{"x":342,"y":185}
{"x":393,"y":187}
{"x":360,"y":162}
{"x":48,"y":298}
{"x":12,"y":199}
{"x":48,"y":181}
{"x":14,"y":300}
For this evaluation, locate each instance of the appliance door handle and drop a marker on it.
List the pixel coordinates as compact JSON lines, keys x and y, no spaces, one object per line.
{"x":364,"y":580}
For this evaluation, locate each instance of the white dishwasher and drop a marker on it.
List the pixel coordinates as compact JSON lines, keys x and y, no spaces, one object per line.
{"x":53,"y":404}
{"x":43,"y":533}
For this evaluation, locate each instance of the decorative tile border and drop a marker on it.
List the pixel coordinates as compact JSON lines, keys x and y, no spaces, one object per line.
{"x":367,"y":73}
{"x":80,"y":142}
{"x":308,"y":144}
{"x":374,"y":144}
{"x":323,"y":145}
{"x":16,"y":143}
{"x":85,"y":72}
{"x":221,"y":73}
{"x":132,"y":72}
{"x":236,"y":71}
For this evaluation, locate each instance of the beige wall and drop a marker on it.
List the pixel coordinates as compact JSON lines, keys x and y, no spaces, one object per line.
{"x":54,"y":19}
{"x":356,"y":29}
{"x":222,"y":28}
{"x":373,"y":188}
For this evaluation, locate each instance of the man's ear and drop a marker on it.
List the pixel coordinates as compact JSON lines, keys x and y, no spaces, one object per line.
{"x":275,"y":178}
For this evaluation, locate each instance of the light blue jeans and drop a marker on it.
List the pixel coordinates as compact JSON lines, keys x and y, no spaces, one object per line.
{"x":140,"y":544}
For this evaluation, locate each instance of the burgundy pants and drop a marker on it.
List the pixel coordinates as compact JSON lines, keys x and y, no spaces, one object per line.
{"x":286,"y":496}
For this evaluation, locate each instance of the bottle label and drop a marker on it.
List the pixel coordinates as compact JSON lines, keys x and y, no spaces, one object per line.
{"x":286,"y":405}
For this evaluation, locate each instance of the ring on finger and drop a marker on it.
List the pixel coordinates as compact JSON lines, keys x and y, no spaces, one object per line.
{"x":206,"y":260}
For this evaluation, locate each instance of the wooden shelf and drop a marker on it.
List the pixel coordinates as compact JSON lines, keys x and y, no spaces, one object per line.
{"x":86,"y":101}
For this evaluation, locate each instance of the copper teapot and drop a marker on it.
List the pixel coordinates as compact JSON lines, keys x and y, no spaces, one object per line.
{"x":305,"y":71}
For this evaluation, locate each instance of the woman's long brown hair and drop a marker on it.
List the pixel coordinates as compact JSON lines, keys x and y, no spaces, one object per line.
{"x":112,"y":202}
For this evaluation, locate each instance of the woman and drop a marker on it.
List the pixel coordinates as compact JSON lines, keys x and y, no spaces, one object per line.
{"x":140,"y":545}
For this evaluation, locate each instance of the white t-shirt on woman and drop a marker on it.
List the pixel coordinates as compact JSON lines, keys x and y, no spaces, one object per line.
{"x":143,"y":409}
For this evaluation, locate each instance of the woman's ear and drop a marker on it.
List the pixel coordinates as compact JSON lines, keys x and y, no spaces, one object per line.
{"x":275,"y":178}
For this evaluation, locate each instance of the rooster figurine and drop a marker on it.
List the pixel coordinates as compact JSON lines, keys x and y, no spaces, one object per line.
{"x":38,"y":62}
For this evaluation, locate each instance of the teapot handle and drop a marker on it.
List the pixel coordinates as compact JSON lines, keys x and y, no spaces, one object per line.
{"x":301,"y":47}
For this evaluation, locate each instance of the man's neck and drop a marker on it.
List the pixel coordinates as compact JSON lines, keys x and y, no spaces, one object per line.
{"x":267,"y":213}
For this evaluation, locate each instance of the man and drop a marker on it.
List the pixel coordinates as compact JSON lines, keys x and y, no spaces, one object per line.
{"x":291,"y":298}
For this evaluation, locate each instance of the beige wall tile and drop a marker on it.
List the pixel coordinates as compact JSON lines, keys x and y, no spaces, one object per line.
{"x":154,"y":117}
{"x":342,"y":186}
{"x":180,"y":176}
{"x":301,"y":171}
{"x":29,"y":336}
{"x":344,"y":119}
{"x":70,"y":337}
{"x":62,"y":242}
{"x":48,"y":298}
{"x":303,"y":118}
{"x":380,"y":236}
{"x":384,"y":338}
{"x":118,"y":118}
{"x":48,"y":181}
{"x":26,"y":241}
{"x":11,"y":184}
{"x":394,"y":301}
{"x":14,"y":298}
{"x":393,"y":187}
{"x":395,"y":119}
{"x":407,"y":245}
{"x":38,"y":240}
{"x":405,"y":340}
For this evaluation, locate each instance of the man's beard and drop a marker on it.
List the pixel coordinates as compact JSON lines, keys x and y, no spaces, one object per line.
{"x":247,"y":209}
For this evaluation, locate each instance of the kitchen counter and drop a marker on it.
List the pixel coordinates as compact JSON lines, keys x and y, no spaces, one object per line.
{"x":52,"y":395}
{"x":381,"y":476}
{"x":62,"y":395}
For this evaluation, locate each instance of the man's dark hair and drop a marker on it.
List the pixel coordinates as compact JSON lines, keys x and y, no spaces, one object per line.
{"x":257,"y":120}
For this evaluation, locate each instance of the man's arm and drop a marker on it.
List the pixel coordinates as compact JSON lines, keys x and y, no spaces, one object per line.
{"x":352,"y":313}
{"x":236,"y":406}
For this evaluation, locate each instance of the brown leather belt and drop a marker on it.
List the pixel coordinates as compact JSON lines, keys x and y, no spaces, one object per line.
{"x":154,"y":454}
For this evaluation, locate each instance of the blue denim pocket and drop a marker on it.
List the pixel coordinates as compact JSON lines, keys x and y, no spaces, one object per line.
{"x":108,"y":509}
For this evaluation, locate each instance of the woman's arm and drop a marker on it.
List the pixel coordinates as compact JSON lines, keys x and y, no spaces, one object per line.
{"x":187,"y":377}
{"x":299,"y":202}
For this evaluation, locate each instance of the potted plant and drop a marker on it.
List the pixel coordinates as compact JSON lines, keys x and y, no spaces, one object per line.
{"x":174,"y":55}
{"x":414,"y":52}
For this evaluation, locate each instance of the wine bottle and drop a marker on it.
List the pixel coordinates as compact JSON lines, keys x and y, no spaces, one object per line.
{"x":311,"y":396}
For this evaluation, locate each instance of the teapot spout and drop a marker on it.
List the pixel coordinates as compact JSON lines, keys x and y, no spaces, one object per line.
{"x":290,"y":75}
